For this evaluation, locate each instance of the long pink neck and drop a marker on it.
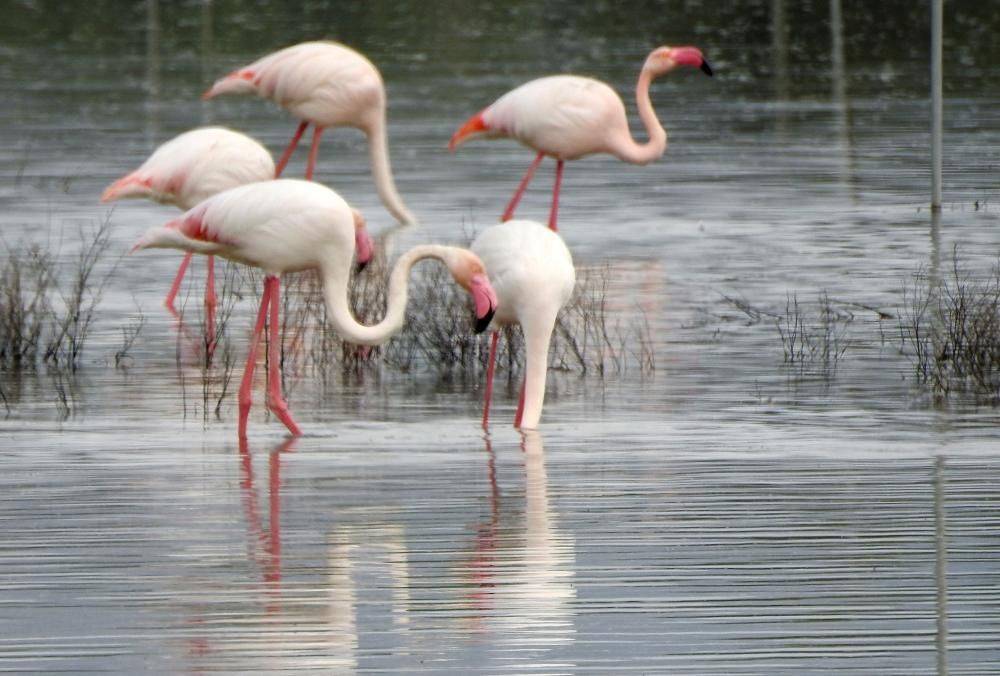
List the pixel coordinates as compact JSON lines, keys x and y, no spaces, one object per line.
{"x":644,"y":153}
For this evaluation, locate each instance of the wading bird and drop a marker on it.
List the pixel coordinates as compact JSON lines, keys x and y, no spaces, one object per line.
{"x":532,"y":272}
{"x":568,"y":117}
{"x":325,"y":84}
{"x":289,"y":225}
{"x":187,"y":170}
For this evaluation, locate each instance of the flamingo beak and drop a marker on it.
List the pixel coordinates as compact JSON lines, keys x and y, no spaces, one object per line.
{"x":363,"y":248}
{"x":484,"y":321}
{"x":485,"y":300}
{"x":705,"y":68}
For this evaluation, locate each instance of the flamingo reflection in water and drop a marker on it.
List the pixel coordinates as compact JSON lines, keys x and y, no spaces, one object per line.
{"x":523,"y":588}
{"x":302,"y":623}
{"x":206,"y":648}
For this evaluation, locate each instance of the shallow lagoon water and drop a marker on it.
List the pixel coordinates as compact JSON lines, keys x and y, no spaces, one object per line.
{"x":723,"y":514}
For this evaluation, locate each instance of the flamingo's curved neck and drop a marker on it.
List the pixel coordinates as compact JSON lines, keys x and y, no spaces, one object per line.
{"x":335,"y":290}
{"x":536,"y":344}
{"x":644,"y":153}
{"x":378,"y":154}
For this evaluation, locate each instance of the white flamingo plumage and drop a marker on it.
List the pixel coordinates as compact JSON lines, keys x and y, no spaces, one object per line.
{"x":290,"y":225}
{"x":188,"y":169}
{"x":532,"y":273}
{"x":325,"y":84}
{"x":568,"y":117}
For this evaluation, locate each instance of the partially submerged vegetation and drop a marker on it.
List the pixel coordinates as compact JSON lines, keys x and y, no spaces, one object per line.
{"x":950,"y":329}
{"x":47,"y":308}
{"x":588,"y":338}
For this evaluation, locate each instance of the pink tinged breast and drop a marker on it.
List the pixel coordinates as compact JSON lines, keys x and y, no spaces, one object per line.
{"x":193,"y":226}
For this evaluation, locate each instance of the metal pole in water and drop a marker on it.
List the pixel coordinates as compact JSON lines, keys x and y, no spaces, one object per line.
{"x":941,"y":566}
{"x":937,"y":110}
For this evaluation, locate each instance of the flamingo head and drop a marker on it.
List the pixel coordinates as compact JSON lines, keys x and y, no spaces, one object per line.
{"x":664,"y":59}
{"x":470,"y":273}
{"x":130,"y":186}
{"x":241,"y":81}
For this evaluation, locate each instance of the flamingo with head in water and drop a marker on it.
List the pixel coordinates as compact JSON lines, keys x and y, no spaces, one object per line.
{"x":568,"y":117}
{"x":532,"y":272}
{"x":325,"y":84}
{"x":289,"y":225}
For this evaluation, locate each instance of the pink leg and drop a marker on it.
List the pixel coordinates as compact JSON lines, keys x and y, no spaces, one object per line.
{"x":247,"y":383}
{"x":287,"y":155}
{"x":313,"y":153}
{"x":520,"y":405}
{"x":489,"y":378}
{"x":175,"y":287}
{"x":273,"y":573}
{"x":555,"y":195}
{"x":509,"y":212}
{"x":275,"y":401}
{"x":210,"y":303}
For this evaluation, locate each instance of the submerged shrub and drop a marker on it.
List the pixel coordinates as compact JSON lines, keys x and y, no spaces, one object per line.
{"x":952,"y":327}
{"x":47,"y":310}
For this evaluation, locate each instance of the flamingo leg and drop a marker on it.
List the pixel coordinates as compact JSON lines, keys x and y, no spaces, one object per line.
{"x":176,"y":286}
{"x":287,"y":155}
{"x":520,"y":404}
{"x":246,"y":384}
{"x":275,"y":401}
{"x":210,"y":303}
{"x":509,"y":211}
{"x":489,"y":378}
{"x":313,"y":153}
{"x":555,"y":195}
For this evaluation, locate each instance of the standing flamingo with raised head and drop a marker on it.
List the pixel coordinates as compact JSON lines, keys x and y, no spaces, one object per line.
{"x":533,"y":275}
{"x":289,"y":225}
{"x":188,"y":169}
{"x":568,"y":117}
{"x":325,"y":84}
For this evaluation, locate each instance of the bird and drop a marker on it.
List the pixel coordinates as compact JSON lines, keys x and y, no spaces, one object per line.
{"x":325,"y":84}
{"x":568,"y":117}
{"x":188,"y":169}
{"x":532,"y":273}
{"x":290,"y":225}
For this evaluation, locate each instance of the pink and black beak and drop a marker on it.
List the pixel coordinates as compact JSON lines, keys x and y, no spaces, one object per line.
{"x":485,"y":300}
{"x":691,"y":57}
{"x":364,"y":248}
{"x":484,"y":321}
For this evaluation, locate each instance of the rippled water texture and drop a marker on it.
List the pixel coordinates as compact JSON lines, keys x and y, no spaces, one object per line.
{"x":723,"y":513}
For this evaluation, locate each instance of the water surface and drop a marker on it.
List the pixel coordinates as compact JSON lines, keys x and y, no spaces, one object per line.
{"x":723,"y":513}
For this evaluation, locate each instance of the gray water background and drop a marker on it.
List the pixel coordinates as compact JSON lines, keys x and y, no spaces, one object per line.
{"x":726,"y":513}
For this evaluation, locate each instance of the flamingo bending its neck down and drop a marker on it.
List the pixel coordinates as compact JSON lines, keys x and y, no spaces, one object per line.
{"x":325,"y":84}
{"x":188,"y":169}
{"x":532,"y":273}
{"x":568,"y":117}
{"x":287,"y":226}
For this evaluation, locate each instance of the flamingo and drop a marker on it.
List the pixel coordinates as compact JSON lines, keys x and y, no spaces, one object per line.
{"x":288,"y":225}
{"x":325,"y":84}
{"x":188,"y":169}
{"x":568,"y":117}
{"x":532,"y":273}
